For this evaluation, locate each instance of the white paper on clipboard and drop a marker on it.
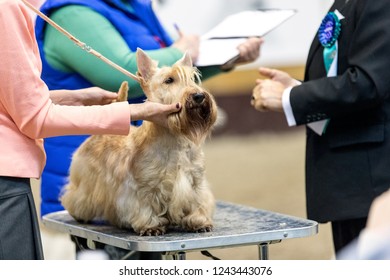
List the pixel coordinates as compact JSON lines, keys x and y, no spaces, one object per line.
{"x":219,"y":45}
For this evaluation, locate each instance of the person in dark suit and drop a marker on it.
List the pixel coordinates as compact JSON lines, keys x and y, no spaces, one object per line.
{"x":345,"y":101}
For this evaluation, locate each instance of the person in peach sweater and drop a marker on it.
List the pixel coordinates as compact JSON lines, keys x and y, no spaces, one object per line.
{"x":30,"y":112}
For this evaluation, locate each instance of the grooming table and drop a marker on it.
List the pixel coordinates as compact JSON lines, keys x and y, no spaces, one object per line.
{"x":234,"y":225}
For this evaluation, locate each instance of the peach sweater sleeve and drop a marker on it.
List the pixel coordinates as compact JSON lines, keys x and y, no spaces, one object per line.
{"x":25,"y":97}
{"x":26,"y":112}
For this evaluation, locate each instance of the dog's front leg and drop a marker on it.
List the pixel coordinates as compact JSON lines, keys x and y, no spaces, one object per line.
{"x":199,"y":217}
{"x":148,"y":222}
{"x":198,"y":221}
{"x":139,"y":208}
{"x":154,"y":227}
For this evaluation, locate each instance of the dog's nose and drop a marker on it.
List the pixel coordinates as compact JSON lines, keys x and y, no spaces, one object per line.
{"x":198,"y":97}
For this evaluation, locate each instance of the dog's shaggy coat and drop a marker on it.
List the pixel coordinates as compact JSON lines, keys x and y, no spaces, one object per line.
{"x":154,"y":177}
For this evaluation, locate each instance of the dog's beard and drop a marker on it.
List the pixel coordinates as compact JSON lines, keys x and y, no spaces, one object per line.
{"x":199,"y":116}
{"x":196,"y":120}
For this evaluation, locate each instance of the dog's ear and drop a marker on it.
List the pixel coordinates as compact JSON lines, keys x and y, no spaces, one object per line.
{"x":146,"y":66}
{"x":185,"y":60}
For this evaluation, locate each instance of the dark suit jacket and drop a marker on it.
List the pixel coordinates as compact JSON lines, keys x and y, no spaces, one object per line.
{"x":349,"y":165}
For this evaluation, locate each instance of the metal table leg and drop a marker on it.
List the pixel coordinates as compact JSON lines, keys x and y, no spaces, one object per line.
{"x":179,"y":256}
{"x":263,"y":251}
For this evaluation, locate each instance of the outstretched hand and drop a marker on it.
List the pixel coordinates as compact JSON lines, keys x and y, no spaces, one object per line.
{"x":83,"y":97}
{"x":267,"y":94}
{"x":96,"y":96}
{"x":279,"y":76}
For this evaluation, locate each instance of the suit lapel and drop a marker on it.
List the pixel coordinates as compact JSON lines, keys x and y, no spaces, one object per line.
{"x":316,"y":46}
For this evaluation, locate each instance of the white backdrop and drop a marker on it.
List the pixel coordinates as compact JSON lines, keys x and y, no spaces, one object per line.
{"x":286,"y":45}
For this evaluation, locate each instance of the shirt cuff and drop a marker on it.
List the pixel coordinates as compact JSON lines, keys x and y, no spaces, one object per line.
{"x":287,"y":107}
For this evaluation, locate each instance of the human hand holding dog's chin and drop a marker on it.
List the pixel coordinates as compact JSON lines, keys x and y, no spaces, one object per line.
{"x":154,"y":112}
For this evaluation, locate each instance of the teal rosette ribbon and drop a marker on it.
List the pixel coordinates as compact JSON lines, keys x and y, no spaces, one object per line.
{"x":329,"y":30}
{"x":328,"y":33}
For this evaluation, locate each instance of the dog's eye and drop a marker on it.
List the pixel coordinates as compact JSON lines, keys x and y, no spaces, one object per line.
{"x":196,"y":79}
{"x":169,"y":80}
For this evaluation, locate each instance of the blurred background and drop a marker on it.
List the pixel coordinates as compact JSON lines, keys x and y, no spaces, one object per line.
{"x":254,"y":158}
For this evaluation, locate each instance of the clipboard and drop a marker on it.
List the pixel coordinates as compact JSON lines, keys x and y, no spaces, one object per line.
{"x":219,"y":45}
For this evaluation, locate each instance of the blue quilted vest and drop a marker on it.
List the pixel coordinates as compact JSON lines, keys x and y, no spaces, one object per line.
{"x":139,"y":28}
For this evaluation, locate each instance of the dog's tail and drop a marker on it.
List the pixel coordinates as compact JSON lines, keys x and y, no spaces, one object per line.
{"x":123,"y":92}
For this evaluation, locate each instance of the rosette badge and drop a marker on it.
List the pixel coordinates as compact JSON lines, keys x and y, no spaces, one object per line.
{"x":329,"y":30}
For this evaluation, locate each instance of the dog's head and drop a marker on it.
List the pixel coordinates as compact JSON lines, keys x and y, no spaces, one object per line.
{"x":179,"y":83}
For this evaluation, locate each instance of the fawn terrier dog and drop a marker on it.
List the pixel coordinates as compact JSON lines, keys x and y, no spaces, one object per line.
{"x":154,"y":178}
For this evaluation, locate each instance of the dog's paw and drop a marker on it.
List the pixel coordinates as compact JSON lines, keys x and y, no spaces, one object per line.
{"x":197,"y":223}
{"x":152,"y":232}
{"x":207,"y":228}
{"x":81,"y":220}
